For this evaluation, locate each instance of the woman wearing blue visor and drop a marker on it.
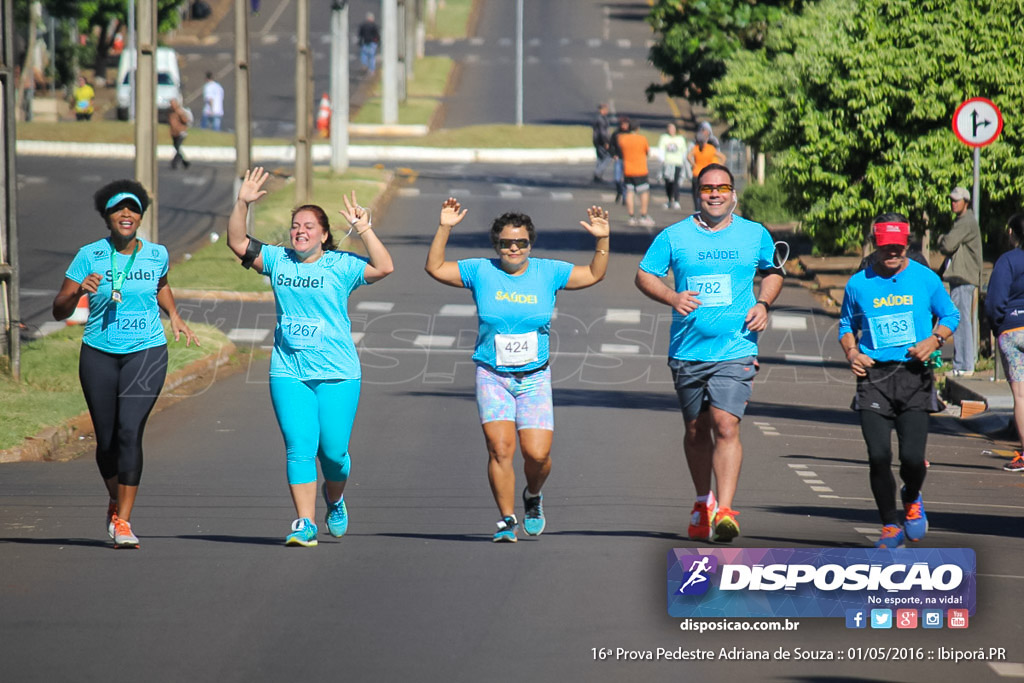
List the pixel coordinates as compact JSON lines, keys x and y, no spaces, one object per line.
{"x":123,"y":360}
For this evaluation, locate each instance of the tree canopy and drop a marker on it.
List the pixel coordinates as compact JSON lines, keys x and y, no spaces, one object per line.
{"x":697,"y":36}
{"x":856,"y":100}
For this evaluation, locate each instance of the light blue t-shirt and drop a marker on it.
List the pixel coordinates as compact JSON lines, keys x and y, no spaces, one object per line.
{"x":720,"y":266}
{"x":892,"y":314}
{"x":514,"y":311}
{"x":134,"y":323}
{"x":313,"y":337}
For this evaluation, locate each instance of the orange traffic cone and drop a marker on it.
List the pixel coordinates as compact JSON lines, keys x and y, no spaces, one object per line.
{"x":323,"y":117}
{"x":81,"y":314}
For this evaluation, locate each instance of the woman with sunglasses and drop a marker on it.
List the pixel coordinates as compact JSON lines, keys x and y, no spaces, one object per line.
{"x":123,"y":360}
{"x":315,"y":375}
{"x":515,"y":299}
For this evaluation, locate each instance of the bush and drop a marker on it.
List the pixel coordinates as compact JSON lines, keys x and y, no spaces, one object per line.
{"x":766,"y":203}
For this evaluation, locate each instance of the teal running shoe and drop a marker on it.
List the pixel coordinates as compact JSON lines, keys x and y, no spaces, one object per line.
{"x":506,"y":532}
{"x":916,"y":523}
{"x":336,"y":518}
{"x":892,"y":537}
{"x":533,"y":519}
{"x":303,"y":533}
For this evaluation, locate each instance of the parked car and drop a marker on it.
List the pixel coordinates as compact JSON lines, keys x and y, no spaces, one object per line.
{"x":168,"y":82}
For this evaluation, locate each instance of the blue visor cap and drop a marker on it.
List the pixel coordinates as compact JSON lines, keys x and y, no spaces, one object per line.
{"x":115,"y":202}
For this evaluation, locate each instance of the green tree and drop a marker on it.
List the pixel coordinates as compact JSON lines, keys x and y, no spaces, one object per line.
{"x":855,"y":98}
{"x":698,"y":36}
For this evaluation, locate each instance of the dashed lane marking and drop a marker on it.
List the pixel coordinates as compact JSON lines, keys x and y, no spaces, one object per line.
{"x":779,"y":321}
{"x":377,"y":306}
{"x":622,"y":315}
{"x":434,"y":340}
{"x":249,"y":335}
{"x":458,"y":310}
{"x":620,"y":348}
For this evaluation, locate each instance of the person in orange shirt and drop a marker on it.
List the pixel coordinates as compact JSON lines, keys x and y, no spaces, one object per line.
{"x":702,"y":154}
{"x":634,"y":149}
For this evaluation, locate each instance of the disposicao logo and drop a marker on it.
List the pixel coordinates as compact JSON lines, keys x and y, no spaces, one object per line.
{"x":817,"y":582}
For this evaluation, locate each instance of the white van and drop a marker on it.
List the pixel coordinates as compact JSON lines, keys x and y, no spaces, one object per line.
{"x":168,"y":82}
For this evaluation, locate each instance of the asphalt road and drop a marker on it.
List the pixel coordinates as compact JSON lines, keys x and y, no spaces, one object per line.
{"x":416,"y":590}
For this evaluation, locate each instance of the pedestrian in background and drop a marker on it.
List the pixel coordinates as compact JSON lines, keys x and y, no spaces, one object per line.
{"x":178,"y":120}
{"x":213,"y":103}
{"x":672,"y":148}
{"x":621,"y":128}
{"x":1004,"y":306}
{"x":123,"y":361}
{"x":601,"y":138}
{"x":82,"y":97}
{"x":369,"y":41}
{"x":700,"y":155}
{"x":315,"y":376}
{"x":962,"y":272}
{"x":634,"y":150}
{"x":887,"y":335}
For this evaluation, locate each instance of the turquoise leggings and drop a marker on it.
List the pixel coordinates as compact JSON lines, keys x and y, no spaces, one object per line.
{"x":316,"y":419}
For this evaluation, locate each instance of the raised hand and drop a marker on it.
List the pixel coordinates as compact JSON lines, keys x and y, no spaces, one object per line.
{"x":452,"y":212}
{"x":357,"y":216}
{"x":598,"y":225}
{"x":252,"y":183}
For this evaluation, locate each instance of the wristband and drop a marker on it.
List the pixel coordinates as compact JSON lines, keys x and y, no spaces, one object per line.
{"x":940,"y":339}
{"x":764,"y":303}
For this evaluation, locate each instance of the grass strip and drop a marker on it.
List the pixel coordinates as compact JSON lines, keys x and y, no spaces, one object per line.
{"x":49,"y":392}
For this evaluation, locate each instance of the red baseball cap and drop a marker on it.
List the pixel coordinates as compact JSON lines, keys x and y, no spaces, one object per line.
{"x":892,"y":233}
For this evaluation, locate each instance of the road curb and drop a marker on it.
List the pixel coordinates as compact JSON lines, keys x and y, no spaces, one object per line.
{"x":44,"y":446}
{"x":320,"y":152}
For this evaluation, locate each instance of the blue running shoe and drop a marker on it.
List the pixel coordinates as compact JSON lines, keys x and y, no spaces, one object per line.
{"x":303,"y":533}
{"x":533,"y":519}
{"x":336,"y":518}
{"x":916,"y":524}
{"x":506,"y":532}
{"x":892,"y":537}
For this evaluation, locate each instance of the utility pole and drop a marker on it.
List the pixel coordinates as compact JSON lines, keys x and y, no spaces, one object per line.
{"x":243,"y":122}
{"x":403,"y":54}
{"x":145,"y":108}
{"x":10,"y":311}
{"x":389,"y":70}
{"x":303,"y":107}
{"x":519,"y":63}
{"x":339,"y":86}
{"x":130,"y":47}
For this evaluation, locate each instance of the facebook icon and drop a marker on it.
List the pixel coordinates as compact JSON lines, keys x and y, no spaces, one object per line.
{"x":856,"y":618}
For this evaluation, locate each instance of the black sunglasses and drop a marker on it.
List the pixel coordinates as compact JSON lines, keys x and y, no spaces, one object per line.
{"x":520,"y":242}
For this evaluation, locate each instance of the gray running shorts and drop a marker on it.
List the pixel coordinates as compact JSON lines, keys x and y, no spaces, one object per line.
{"x":725,"y":385}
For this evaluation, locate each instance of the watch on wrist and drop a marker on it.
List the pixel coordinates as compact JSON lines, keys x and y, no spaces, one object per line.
{"x":940,"y":339}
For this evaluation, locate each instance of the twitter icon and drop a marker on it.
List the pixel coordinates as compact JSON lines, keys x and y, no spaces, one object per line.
{"x":881,"y":618}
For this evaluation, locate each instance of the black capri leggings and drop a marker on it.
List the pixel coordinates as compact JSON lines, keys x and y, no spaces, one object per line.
{"x":912,"y":432}
{"x":121,"y":390}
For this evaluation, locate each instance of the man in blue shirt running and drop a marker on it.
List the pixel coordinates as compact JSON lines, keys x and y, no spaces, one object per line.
{"x":714,"y":257}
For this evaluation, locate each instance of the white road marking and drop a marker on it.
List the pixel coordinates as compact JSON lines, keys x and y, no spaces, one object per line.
{"x":459,"y":192}
{"x":624,"y":43}
{"x":798,"y":358}
{"x":432,"y":340}
{"x":252,"y":335}
{"x":622,"y":315}
{"x":795,"y":467}
{"x":619,"y":348}
{"x":561,"y":196}
{"x":1008,"y":669}
{"x":510,"y":194}
{"x":476,"y":41}
{"x":593,"y":42}
{"x":409,"y":192}
{"x":806,"y":473}
{"x":821,"y":489}
{"x":379,"y":306}
{"x":357,"y":337}
{"x":780,"y":321}
{"x":458,"y":310}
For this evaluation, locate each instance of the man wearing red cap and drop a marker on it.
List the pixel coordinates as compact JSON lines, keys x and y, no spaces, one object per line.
{"x":887,"y":335}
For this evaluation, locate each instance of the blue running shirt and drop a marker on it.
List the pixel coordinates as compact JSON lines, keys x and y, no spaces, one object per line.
{"x":313,"y":336}
{"x":720,"y":266}
{"x":892,"y":314}
{"x":514,"y":311}
{"x":134,"y":324}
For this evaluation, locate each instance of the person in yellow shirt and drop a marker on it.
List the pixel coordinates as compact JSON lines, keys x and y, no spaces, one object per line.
{"x":82,"y":97}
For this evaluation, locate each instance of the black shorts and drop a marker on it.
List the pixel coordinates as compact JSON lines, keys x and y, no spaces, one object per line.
{"x":890,"y":389}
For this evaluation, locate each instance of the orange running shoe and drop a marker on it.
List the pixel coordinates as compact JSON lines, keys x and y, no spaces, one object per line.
{"x":701,"y":518}
{"x":123,"y":536}
{"x":1017,"y":464}
{"x":726,"y":526}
